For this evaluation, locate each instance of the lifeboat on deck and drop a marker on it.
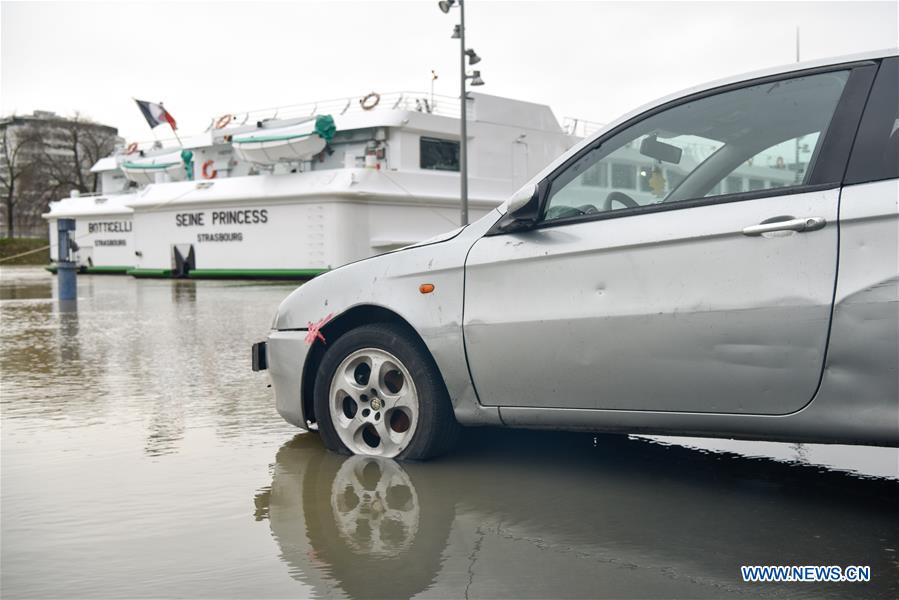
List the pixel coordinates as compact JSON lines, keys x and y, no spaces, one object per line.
{"x":272,"y":145}
{"x":145,"y":170}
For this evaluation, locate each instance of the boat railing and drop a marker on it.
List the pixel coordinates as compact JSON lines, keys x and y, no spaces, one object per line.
{"x":134,"y":149}
{"x":445,"y":106}
{"x":580,"y":127}
{"x":77,"y":194}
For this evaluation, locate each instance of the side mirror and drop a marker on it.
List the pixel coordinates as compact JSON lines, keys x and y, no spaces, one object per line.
{"x":521,"y":198}
{"x":522,"y":211}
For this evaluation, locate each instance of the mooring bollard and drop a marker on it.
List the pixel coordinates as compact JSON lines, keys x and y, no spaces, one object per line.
{"x":65,"y":263}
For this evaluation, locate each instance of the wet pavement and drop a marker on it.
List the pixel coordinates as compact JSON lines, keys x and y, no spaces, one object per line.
{"x":141,"y":457}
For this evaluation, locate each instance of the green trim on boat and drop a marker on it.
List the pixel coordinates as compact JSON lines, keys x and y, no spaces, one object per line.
{"x":129,"y":165}
{"x":107,"y":269}
{"x":271,"y":138}
{"x":325,"y":127}
{"x":255,"y":273}
{"x":150,"y":272}
{"x":51,"y":268}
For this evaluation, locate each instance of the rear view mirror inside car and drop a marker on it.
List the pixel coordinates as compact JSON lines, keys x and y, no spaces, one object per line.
{"x":653,"y":148}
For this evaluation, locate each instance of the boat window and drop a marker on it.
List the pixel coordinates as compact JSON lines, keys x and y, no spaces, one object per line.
{"x":733,"y":185}
{"x":597,"y":175}
{"x":624,"y":176}
{"x":440,"y":155}
{"x":754,"y":138}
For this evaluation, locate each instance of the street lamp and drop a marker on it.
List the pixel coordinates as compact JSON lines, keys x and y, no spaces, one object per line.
{"x":473,"y":59}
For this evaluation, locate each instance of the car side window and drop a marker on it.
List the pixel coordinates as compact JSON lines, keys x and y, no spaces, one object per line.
{"x":875,"y":155}
{"x":754,"y":138}
{"x":781,"y":165}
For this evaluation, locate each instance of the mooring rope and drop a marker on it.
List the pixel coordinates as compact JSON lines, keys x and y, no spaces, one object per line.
{"x":41,"y":249}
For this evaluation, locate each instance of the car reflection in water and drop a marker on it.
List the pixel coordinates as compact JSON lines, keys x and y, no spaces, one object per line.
{"x":523,"y":514}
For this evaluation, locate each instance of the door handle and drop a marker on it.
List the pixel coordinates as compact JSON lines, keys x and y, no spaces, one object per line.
{"x":787,"y":224}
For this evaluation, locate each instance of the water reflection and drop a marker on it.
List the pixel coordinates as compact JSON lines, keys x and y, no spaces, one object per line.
{"x":25,"y":284}
{"x":375,"y":507}
{"x":522,"y":514}
{"x":365,"y":525}
{"x":169,"y":354}
{"x":184,"y":291}
{"x":69,"y":350}
{"x":861,"y":461}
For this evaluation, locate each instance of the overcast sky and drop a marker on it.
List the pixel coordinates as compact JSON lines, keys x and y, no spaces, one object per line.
{"x":593,"y":60}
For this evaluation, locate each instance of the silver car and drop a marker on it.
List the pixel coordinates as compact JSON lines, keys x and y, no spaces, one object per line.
{"x":722,"y":262}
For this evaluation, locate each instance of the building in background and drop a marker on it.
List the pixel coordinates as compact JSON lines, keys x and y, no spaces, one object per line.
{"x":44,"y":156}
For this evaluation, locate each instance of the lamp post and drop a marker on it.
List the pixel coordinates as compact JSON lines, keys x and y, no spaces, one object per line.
{"x":473,"y":58}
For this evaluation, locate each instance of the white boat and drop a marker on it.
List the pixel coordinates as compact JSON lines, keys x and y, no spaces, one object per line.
{"x":290,"y":193}
{"x":103,"y":231}
{"x":103,"y":221}
{"x":388,"y":177}
{"x":155,"y":169}
{"x":272,"y":145}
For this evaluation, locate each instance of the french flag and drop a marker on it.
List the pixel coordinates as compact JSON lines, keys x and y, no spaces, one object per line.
{"x":155,"y":114}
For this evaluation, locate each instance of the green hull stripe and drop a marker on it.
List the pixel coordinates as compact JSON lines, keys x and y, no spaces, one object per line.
{"x":150,"y":272}
{"x":260,"y":273}
{"x":51,"y":268}
{"x":109,"y":269}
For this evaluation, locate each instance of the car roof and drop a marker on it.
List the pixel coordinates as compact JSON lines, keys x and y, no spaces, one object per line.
{"x":780,"y":70}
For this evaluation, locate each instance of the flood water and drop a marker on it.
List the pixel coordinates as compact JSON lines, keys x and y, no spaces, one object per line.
{"x":141,"y":457}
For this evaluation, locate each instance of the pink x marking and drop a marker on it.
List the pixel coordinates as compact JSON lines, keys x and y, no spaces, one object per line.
{"x":315,"y":330}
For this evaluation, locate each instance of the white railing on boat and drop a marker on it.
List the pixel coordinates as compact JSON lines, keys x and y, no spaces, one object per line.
{"x":445,"y":106}
{"x":580,"y":127}
{"x":79,"y":194}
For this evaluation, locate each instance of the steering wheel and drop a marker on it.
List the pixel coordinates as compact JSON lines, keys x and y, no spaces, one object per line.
{"x":560,"y":212}
{"x":619,"y":197}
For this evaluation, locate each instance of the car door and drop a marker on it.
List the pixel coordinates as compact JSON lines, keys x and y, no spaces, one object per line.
{"x":684,"y":261}
{"x":863,"y":354}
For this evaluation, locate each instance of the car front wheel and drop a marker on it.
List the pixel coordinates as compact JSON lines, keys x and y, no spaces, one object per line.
{"x":378,"y":392}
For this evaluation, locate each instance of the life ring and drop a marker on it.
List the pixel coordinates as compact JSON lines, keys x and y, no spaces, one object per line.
{"x":205,"y":170}
{"x":223,"y":121}
{"x":131,"y":148}
{"x":370,"y":101}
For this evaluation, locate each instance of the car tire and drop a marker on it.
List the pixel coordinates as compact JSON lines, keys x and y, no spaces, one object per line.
{"x":401,"y":409}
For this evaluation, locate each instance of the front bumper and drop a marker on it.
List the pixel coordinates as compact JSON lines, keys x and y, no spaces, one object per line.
{"x":284,"y":354}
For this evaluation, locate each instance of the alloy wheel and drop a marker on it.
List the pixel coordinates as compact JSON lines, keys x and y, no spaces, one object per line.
{"x":373,"y":403}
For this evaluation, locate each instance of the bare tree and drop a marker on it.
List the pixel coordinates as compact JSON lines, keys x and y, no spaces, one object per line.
{"x":84,"y":143}
{"x":16,"y":170}
{"x":52,"y":158}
